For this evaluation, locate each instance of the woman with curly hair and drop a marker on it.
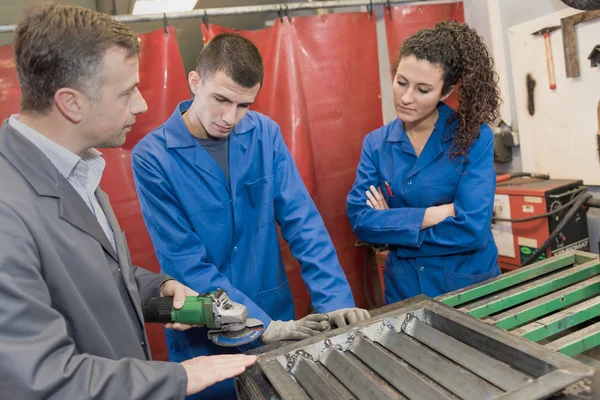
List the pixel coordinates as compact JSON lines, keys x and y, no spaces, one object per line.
{"x":425,"y":182}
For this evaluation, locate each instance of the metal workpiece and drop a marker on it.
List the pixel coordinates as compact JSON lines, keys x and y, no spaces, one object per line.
{"x":577,"y":342}
{"x":318,"y":382}
{"x":537,"y":288}
{"x":397,"y":372}
{"x":283,"y":382}
{"x":494,"y":371}
{"x":359,"y":379}
{"x":415,"y":349}
{"x":451,"y":375}
{"x":553,"y":300}
{"x":547,"y":304}
{"x":560,"y":321}
{"x":515,"y":278}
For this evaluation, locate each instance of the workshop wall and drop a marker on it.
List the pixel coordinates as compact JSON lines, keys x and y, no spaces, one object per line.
{"x":505,"y":14}
{"x":561,"y":137}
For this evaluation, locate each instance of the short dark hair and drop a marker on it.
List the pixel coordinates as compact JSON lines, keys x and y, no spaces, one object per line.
{"x":63,"y":46}
{"x":233,"y":54}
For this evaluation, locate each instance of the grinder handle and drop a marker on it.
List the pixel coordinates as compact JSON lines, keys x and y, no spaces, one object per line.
{"x":158,"y":309}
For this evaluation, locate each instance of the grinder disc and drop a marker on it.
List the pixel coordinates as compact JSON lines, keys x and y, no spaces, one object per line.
{"x":249,"y":332}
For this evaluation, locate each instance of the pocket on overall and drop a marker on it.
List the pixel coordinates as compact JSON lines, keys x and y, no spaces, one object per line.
{"x":392,"y":200}
{"x":455,"y":281}
{"x":438,"y":193}
{"x":277,"y":302}
{"x":260,"y":196}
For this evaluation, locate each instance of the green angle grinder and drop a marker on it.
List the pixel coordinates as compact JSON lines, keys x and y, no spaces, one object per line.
{"x":227,"y":322}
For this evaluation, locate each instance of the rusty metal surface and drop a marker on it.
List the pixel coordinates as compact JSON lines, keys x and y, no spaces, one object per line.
{"x":415,"y":349}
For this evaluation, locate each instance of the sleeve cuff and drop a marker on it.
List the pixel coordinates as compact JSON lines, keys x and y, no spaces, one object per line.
{"x":415,"y":233}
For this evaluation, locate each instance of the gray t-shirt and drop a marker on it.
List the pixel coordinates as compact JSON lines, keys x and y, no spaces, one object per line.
{"x":218,"y":149}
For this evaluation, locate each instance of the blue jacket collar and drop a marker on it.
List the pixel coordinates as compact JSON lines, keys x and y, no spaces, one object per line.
{"x":177,"y":134}
{"x":398,"y":134}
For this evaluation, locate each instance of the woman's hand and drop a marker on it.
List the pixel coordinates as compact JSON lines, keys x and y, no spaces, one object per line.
{"x":435,"y":215}
{"x":375,"y":199}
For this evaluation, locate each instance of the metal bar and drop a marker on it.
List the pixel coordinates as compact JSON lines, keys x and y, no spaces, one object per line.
{"x":241,"y":10}
{"x":359,"y":380}
{"x":581,"y":257}
{"x":282,"y":381}
{"x":494,"y":371}
{"x":560,"y":321}
{"x":520,"y":353}
{"x":253,"y":384}
{"x":547,"y":304}
{"x":507,"y":280}
{"x":318,"y":383}
{"x":403,"y":377}
{"x":451,"y":376}
{"x":545,"y":386}
{"x":577,"y":342}
{"x":385,"y":386}
{"x":540,"y":287}
{"x":335,"y":380}
{"x":504,"y":347}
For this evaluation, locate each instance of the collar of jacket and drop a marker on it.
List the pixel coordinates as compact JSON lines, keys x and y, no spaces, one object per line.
{"x":45,"y":179}
{"x":177,"y":134}
{"x":398,"y":134}
{"x":36,"y":168}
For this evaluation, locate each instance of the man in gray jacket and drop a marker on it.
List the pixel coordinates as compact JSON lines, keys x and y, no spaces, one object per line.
{"x":71,"y":326}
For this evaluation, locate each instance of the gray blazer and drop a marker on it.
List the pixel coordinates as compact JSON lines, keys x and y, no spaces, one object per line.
{"x":71,"y":326}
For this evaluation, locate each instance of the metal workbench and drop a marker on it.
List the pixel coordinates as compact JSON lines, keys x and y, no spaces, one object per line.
{"x":416,"y":349}
{"x":554,"y":302}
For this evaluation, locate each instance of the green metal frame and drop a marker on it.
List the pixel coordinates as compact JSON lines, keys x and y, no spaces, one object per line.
{"x":568,"y":286}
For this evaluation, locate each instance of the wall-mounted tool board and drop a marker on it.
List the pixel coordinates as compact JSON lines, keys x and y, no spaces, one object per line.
{"x":560,"y":139}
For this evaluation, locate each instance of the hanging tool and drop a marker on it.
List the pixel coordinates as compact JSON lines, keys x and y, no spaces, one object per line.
{"x":598,"y":132}
{"x":227,"y":322}
{"x":530,"y":90}
{"x":583,"y":4}
{"x":570,"y":39}
{"x":545,"y":32}
{"x":594,"y":56}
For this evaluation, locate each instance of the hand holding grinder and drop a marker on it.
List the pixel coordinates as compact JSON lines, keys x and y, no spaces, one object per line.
{"x":227,"y":322}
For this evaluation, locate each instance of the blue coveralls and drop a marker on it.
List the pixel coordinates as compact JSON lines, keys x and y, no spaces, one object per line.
{"x":455,"y":253}
{"x":209,"y":234}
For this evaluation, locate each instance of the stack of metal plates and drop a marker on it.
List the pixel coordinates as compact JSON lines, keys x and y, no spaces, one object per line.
{"x":554,"y":302}
{"x":416,"y":349}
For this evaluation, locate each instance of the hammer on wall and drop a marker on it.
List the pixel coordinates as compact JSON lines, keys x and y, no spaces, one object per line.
{"x":549,"y":58}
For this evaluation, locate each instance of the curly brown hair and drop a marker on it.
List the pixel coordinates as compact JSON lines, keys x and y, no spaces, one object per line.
{"x":460,"y":51}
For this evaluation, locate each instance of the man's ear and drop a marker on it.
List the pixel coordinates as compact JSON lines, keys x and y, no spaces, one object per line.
{"x":71,"y":103}
{"x":444,"y":97}
{"x":194,"y":81}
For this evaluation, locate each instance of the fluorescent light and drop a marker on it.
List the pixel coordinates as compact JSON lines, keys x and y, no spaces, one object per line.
{"x":162,"y":6}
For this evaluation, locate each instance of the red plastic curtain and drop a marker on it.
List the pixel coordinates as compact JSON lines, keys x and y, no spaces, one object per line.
{"x":163,"y":84}
{"x":322,"y":87}
{"x":403,"y":21}
{"x":10,"y":93}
